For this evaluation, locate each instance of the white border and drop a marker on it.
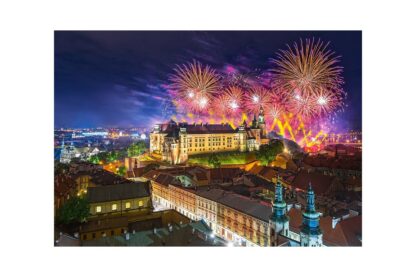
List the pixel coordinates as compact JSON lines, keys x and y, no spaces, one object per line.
{"x":26,"y":63}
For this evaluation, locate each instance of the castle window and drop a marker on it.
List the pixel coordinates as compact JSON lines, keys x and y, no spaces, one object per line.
{"x":128,"y":205}
{"x":140,"y":203}
{"x":98,"y":209}
{"x":114,"y":207}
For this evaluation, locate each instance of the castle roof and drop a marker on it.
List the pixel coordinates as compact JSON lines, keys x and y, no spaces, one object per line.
{"x":172,"y":128}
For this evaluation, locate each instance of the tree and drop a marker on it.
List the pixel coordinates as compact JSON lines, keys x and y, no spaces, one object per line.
{"x":102,"y":156}
{"x":121,"y":171}
{"x":75,"y":210}
{"x":94,"y":159}
{"x":214,"y":161}
{"x":268,"y":152}
{"x":112,"y":156}
{"x":136,"y":148}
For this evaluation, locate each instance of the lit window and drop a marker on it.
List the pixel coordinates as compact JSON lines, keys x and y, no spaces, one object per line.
{"x":114,"y":207}
{"x":140,"y":203}
{"x":98,"y":209}
{"x":128,"y":205}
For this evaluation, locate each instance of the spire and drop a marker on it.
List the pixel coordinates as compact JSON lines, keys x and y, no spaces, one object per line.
{"x":261,"y":115}
{"x":261,"y":110}
{"x":310,"y":224}
{"x":278,"y":196}
{"x":310,"y":199}
{"x":279,"y":205}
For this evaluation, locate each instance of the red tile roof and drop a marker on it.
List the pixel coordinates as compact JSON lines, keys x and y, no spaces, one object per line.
{"x":320,"y":183}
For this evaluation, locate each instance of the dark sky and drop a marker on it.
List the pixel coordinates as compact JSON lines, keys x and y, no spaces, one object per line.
{"x":117,"y":78}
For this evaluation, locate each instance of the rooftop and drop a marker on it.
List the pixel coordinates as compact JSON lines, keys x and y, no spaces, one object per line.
{"x":118,"y":192}
{"x":256,"y":208}
{"x":190,"y":234}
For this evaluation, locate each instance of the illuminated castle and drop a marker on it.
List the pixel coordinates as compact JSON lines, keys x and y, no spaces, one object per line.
{"x":176,"y":141}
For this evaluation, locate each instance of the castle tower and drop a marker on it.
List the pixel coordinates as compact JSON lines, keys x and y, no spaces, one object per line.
{"x":279,"y":221}
{"x":261,"y":123}
{"x":254,"y":123}
{"x":183,"y":145}
{"x":311,"y":234}
{"x":242,"y":137}
{"x":261,"y":115}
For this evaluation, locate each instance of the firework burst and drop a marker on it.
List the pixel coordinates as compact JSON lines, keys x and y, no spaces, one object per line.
{"x":221,"y":105}
{"x":255,"y":98}
{"x":234,"y":99}
{"x":326,"y":102}
{"x":194,"y":85}
{"x":303,"y":71}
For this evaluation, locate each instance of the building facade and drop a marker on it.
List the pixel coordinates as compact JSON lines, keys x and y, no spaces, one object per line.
{"x":120,"y":199}
{"x":240,"y":220}
{"x":174,"y":142}
{"x":69,"y":152}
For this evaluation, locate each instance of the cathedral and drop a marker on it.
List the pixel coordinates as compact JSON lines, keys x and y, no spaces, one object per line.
{"x":175,"y":142}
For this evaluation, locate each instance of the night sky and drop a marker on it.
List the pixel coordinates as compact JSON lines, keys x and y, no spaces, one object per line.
{"x":117,"y":79}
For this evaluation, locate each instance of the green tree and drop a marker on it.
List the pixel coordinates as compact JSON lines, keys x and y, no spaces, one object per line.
{"x":268,"y":152}
{"x":94,"y":159}
{"x":102,"y":156}
{"x":112,"y":156}
{"x":136,"y":148}
{"x":214,"y":161}
{"x":122,"y":171}
{"x":75,"y":210}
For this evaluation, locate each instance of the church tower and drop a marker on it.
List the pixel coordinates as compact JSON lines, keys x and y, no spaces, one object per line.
{"x":311,"y":234}
{"x":279,"y":221}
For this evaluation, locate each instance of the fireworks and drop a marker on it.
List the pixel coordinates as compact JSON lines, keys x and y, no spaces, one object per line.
{"x":194,"y":85}
{"x":233,"y":97}
{"x":305,"y":85}
{"x":303,"y":72}
{"x":325,"y":102}
{"x":255,"y":98}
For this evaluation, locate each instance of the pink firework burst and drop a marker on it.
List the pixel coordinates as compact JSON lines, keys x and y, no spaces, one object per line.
{"x":325,"y":102}
{"x":256,"y":97}
{"x":234,"y":99}
{"x":220,"y":105}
